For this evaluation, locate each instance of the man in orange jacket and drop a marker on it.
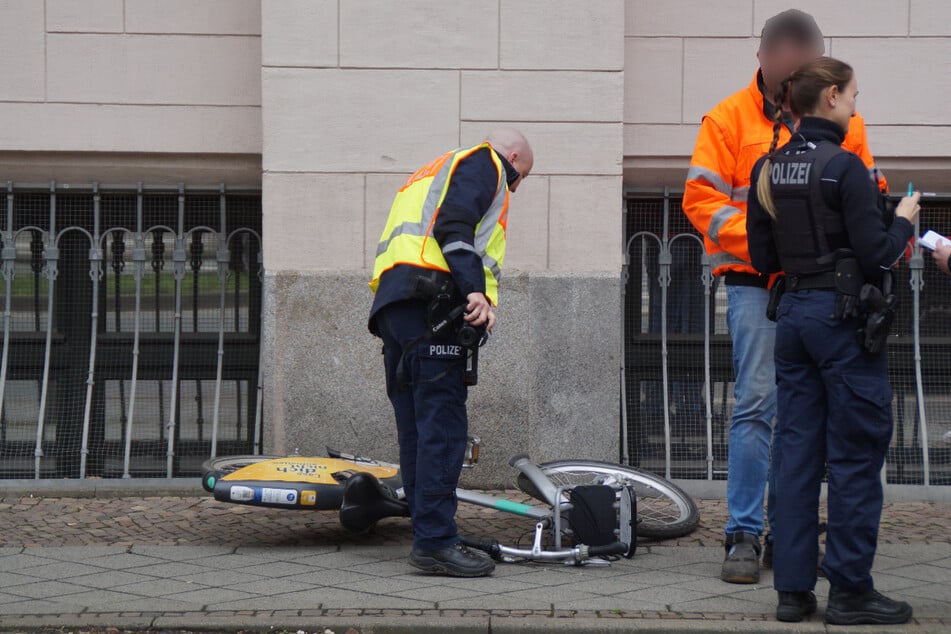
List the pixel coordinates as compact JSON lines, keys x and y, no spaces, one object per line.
{"x":732,"y":137}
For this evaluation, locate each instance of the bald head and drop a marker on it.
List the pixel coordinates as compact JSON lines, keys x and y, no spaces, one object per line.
{"x":513,"y":145}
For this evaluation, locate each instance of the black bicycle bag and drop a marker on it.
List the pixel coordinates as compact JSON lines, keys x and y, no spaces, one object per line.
{"x":598,"y":517}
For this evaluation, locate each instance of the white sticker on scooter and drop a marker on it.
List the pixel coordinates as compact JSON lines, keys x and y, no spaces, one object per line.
{"x":242,"y":494}
{"x":279,"y":496}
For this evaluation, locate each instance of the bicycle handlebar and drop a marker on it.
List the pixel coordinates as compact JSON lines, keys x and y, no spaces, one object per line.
{"x":490,"y":546}
{"x":577,"y":554}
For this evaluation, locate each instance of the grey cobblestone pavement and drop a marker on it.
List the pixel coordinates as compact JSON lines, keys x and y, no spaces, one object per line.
{"x":191,"y":563}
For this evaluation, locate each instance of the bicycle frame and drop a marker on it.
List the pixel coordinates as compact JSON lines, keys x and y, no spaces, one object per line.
{"x":548,"y":518}
{"x":266,"y":487}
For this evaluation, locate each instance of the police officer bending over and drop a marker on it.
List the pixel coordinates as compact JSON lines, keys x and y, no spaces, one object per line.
{"x":436,"y":281}
{"x":815,"y":214}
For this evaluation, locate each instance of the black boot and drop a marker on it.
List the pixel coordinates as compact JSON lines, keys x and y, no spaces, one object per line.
{"x":453,"y":561}
{"x":795,"y":606}
{"x":865,"y":608}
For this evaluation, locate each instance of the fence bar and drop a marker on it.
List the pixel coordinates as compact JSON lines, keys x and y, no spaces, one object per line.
{"x":916,"y":265}
{"x":9,"y":256}
{"x":663,"y":279}
{"x":179,"y":258}
{"x":259,"y":403}
{"x":223,"y":259}
{"x":707,"y":278}
{"x":196,"y":251}
{"x":138,"y":258}
{"x":235,"y":267}
{"x":51,"y":257}
{"x":95,"y":273}
{"x":625,"y":273}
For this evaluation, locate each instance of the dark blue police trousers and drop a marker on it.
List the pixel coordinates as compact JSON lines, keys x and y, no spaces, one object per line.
{"x":833,"y":405}
{"x":431,"y":422}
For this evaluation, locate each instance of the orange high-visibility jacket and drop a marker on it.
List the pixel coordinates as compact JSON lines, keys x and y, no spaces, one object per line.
{"x":733,"y":136}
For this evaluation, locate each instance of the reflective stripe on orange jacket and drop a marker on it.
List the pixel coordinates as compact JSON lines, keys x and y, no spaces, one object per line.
{"x":732,"y":137}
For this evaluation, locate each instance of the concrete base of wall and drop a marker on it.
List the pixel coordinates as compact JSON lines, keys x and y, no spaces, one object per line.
{"x":548,"y":378}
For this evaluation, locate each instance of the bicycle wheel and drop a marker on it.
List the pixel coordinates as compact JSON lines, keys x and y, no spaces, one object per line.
{"x":664,"y":510}
{"x":214,"y":469}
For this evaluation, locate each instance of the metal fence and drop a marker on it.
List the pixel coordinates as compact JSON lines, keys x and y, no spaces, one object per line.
{"x":677,"y":392}
{"x":131,"y":329}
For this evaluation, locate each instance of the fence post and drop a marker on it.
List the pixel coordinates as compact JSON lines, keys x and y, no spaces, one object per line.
{"x":50,"y":256}
{"x":95,"y":273}
{"x":9,"y":256}
{"x":179,"y":258}
{"x":223,"y":259}
{"x":707,"y":279}
{"x":663,"y":279}
{"x":916,"y":265}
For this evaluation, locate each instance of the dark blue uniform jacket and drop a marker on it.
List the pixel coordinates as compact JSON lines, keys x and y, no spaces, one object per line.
{"x":468,"y":198}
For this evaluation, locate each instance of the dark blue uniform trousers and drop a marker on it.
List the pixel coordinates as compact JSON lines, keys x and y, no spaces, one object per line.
{"x":833,"y":404}
{"x":431,"y":418}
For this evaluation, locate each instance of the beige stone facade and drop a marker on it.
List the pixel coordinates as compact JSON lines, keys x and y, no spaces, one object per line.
{"x":328,"y":104}
{"x":683,"y":57}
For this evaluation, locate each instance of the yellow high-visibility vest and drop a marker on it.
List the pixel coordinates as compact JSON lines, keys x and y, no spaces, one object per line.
{"x":407,"y":237}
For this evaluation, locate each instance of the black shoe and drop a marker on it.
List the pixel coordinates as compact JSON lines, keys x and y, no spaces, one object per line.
{"x":741,"y":564}
{"x":453,"y":561}
{"x":865,"y":608}
{"x":795,"y":606}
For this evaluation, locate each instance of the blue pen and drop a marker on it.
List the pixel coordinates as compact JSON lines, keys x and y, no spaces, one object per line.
{"x":911,"y":188}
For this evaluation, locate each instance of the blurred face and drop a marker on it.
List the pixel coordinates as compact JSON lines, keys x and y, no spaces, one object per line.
{"x":781,"y":58}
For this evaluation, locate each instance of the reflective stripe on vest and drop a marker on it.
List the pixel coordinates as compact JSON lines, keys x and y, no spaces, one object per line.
{"x":408,"y":238}
{"x":722,"y":258}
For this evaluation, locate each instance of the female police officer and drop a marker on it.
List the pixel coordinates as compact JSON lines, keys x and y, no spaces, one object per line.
{"x":815,"y":214}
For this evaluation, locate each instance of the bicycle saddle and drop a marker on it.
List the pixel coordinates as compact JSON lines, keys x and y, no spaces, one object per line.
{"x":367,"y":500}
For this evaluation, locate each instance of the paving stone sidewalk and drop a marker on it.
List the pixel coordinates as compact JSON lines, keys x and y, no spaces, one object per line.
{"x":180,"y":563}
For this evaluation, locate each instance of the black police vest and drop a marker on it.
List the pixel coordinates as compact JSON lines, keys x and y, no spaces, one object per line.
{"x":806,"y":229}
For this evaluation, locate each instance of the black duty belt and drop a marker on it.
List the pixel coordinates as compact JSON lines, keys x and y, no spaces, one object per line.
{"x":810,"y":282}
{"x":736,"y":278}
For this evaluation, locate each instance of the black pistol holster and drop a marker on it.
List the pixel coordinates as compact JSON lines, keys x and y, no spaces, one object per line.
{"x":879,"y":306}
{"x":873,"y":306}
{"x":775,"y":294}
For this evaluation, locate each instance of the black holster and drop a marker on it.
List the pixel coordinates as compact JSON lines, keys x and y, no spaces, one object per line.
{"x":848,"y":287}
{"x":775,"y":294}
{"x":428,"y":285}
{"x":879,"y":306}
{"x":471,"y":375}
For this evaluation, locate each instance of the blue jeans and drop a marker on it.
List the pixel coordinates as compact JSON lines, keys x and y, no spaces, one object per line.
{"x":835,"y":406}
{"x":754,"y":393}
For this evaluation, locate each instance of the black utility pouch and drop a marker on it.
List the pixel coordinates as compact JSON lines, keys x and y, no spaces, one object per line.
{"x":775,"y":294}
{"x":848,"y":277}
